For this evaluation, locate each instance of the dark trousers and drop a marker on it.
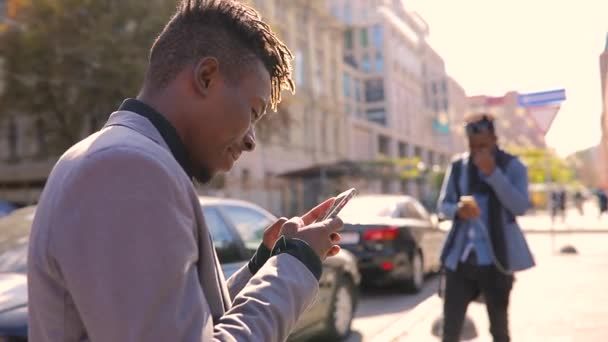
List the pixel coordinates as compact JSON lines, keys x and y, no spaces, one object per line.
{"x":463,"y":286}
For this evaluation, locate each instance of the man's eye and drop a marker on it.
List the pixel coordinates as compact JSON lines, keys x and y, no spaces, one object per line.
{"x":254,"y":114}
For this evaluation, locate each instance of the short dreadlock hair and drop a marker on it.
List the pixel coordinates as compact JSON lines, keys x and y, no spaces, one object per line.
{"x":228,"y":30}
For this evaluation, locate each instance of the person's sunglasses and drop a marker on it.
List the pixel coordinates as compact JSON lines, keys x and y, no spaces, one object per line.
{"x":481,"y":126}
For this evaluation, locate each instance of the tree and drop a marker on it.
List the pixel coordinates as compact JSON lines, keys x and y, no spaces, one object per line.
{"x":71,"y":62}
{"x":540,"y":161}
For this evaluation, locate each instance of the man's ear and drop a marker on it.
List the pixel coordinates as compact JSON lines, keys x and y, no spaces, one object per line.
{"x":206,"y":72}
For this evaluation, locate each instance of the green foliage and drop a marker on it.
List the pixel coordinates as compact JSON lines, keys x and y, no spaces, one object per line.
{"x":68,"y":62}
{"x":539,"y":161}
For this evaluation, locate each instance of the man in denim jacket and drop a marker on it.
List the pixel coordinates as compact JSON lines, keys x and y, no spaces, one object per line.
{"x":483,"y":192}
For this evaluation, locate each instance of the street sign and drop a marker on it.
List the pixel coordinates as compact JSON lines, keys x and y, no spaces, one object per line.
{"x":542,"y":98}
{"x":544,"y":116}
{"x":543,"y":106}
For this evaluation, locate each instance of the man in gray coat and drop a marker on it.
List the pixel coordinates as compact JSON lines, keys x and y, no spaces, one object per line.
{"x":119,"y":250}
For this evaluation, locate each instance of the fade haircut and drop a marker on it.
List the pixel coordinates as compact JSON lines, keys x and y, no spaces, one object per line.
{"x":228,"y":30}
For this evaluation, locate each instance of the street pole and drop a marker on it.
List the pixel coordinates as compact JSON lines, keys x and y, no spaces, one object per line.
{"x":549,"y":180}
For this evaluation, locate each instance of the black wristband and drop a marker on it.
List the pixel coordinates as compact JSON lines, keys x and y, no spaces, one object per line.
{"x":300,"y":250}
{"x":262,"y":254}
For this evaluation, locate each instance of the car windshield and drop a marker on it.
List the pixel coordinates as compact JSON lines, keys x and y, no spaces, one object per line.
{"x":363,"y":207}
{"x":14,"y":235}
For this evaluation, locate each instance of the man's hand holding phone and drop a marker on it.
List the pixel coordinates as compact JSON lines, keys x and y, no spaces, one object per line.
{"x":320,"y":236}
{"x":468,"y":208}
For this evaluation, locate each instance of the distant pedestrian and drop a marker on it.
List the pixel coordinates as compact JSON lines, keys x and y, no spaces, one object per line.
{"x":602,"y":202}
{"x":558,"y":205}
{"x":579,"y":201}
{"x":483,"y":192}
{"x":562,"y":204}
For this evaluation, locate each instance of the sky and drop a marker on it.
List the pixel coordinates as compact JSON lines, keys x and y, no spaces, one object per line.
{"x":491,"y":47}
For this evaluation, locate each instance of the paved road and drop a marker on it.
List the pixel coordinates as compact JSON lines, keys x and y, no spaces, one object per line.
{"x":563,"y":299}
{"x":380,"y":308}
{"x":382,"y":311}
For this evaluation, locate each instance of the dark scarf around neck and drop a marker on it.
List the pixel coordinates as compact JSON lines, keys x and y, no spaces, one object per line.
{"x":496,"y":227}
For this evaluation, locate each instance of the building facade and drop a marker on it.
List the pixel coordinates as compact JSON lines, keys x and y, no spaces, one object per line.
{"x":515,"y":126}
{"x":398,"y":116}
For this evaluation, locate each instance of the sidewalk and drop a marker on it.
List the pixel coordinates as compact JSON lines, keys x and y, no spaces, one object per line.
{"x":589,"y":222}
{"x":564,"y":298}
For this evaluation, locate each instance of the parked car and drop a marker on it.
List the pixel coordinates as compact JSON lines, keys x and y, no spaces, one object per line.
{"x":393,"y":238}
{"x":236,"y":228}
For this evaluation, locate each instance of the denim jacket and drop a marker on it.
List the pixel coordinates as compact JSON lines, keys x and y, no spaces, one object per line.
{"x":511,"y":188}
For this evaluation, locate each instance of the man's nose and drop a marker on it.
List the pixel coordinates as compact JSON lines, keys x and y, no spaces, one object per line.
{"x":249,"y":141}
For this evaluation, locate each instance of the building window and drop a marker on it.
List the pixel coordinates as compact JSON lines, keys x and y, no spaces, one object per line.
{"x":319,"y":76}
{"x":364,"y":37}
{"x":365,"y":63}
{"x":300,"y":67}
{"x":346,"y":84}
{"x":377,"y":115}
{"x":379,"y":62}
{"x":350,"y":60}
{"x":383,"y":145}
{"x":445,"y":105}
{"x":335,"y":12}
{"x":418,"y":152}
{"x":434,"y":87}
{"x":347,"y":108}
{"x":402,"y":150}
{"x":357,"y":89}
{"x":377,"y":36}
{"x":348,"y":14}
{"x":444,"y":87}
{"x":374,"y":90}
{"x":348,"y":39}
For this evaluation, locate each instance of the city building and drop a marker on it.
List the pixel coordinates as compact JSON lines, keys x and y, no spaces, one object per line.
{"x":308,"y":129}
{"x":458,"y":109}
{"x":399,"y":116}
{"x":515,"y":126}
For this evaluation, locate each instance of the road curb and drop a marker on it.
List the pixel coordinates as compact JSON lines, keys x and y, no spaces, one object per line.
{"x":431,"y":307}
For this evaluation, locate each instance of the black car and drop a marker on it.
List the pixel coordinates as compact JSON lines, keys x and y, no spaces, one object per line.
{"x":236,"y":228}
{"x":393,"y":238}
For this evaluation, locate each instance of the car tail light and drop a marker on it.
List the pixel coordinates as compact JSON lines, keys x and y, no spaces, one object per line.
{"x":388,"y":266}
{"x":382,"y":234}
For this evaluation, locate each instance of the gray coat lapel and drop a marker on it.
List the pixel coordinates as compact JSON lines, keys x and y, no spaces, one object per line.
{"x":137,"y":123}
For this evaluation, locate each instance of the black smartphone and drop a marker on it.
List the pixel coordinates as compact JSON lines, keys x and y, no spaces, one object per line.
{"x":339,"y":203}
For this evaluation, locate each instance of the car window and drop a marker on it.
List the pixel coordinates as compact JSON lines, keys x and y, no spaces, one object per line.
{"x":422,"y":212}
{"x":249,"y":223}
{"x":14,"y":236}
{"x":225,"y":242}
{"x":409,"y":210}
